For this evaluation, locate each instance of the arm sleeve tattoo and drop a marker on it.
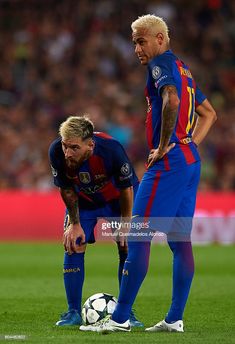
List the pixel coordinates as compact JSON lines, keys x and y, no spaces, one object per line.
{"x":70,"y":199}
{"x":169,"y":114}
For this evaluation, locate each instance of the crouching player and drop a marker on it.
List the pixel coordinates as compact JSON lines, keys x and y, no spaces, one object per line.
{"x":96,"y":179}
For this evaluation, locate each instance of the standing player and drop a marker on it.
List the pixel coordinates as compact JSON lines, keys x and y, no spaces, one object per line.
{"x":96,"y":179}
{"x":169,"y":186}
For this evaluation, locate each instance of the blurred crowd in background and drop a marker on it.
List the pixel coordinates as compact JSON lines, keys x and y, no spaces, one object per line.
{"x":76,"y":56}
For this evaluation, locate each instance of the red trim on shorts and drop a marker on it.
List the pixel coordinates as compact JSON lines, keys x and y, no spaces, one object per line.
{"x":166,"y":162}
{"x":188,"y":154}
{"x":153,"y":193}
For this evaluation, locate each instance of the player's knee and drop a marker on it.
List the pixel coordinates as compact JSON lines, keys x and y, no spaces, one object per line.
{"x":81,"y":249}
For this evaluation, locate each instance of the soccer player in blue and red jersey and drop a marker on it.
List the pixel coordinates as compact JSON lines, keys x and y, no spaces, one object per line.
{"x":168,"y":188}
{"x":96,"y":179}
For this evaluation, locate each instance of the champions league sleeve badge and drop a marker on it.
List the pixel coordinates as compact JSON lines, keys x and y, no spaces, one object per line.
{"x":125,"y":169}
{"x":156,"y":72}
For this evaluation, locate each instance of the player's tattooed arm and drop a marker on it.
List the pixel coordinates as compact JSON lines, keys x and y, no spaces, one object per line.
{"x":74,"y":232}
{"x":170,"y":103}
{"x":70,"y":199}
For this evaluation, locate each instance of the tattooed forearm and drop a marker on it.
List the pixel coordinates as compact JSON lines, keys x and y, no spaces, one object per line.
{"x":169,"y":114}
{"x":70,"y":199}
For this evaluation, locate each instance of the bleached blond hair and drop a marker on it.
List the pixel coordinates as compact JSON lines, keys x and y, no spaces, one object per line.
{"x":152,"y":24}
{"x":76,"y":126}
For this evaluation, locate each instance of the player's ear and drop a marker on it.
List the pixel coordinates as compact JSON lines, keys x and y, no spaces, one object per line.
{"x":91,"y":143}
{"x":160,"y":38}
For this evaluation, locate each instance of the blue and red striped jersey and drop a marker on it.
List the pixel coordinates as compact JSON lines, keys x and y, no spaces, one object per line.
{"x":167,"y":69}
{"x":99,"y":178}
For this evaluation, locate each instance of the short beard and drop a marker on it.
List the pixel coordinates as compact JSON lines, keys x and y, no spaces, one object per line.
{"x":72,"y":165}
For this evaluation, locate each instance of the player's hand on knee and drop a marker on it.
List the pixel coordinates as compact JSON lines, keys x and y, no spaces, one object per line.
{"x":74,"y":238}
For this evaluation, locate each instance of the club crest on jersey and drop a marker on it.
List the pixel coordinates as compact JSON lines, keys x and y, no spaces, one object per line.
{"x":156,"y":72}
{"x":125,"y":169}
{"x":85,"y":177}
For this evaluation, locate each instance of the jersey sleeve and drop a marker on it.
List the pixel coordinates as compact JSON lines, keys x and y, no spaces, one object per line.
{"x":57,"y":169}
{"x":122,"y":168}
{"x":199,"y":97}
{"x":161,"y":73}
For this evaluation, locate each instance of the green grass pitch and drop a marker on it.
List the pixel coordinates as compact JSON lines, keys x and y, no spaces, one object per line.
{"x":32,"y":294}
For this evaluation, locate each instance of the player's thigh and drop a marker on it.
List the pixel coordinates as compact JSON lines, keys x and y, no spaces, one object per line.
{"x":188,"y":202}
{"x":182,"y":224}
{"x":160,"y":193}
{"x":111,"y":213}
{"x":88,"y":219}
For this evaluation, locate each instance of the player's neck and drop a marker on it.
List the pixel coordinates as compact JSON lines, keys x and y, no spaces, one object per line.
{"x":89,"y":154}
{"x":163,"y":49}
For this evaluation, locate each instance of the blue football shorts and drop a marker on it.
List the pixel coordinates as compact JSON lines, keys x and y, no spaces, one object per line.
{"x":167,"y":199}
{"x":89,"y":217}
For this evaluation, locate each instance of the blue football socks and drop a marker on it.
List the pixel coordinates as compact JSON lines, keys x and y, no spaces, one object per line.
{"x":183,"y":271}
{"x":73,"y":279}
{"x":122,"y":259}
{"x":135,"y":269}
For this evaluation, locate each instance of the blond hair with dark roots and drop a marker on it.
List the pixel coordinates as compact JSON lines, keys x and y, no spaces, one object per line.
{"x":152,"y":24}
{"x":76,"y":126}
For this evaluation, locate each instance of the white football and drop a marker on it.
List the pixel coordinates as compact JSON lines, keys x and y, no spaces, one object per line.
{"x":97,"y":307}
